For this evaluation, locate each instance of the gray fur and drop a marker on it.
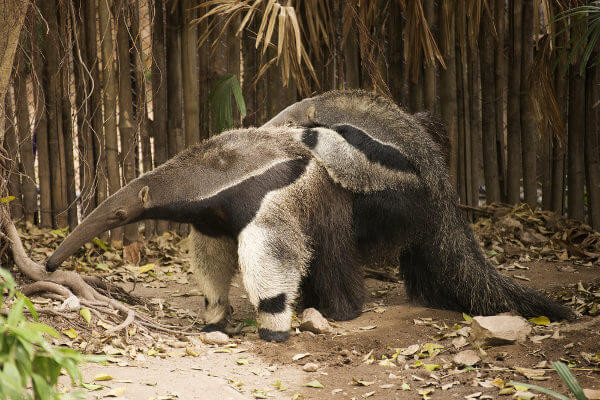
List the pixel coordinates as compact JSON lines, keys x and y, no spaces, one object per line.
{"x":440,"y":258}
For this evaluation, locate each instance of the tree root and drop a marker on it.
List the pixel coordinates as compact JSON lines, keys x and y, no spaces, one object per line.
{"x":64,"y":284}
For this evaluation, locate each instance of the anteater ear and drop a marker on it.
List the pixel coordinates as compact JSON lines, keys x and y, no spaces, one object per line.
{"x":310,"y":113}
{"x":143,"y":195}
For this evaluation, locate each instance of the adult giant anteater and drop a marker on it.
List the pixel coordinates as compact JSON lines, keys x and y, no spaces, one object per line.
{"x":304,"y":207}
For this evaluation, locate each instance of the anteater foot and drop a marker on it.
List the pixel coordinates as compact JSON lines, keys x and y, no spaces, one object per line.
{"x":273,"y":336}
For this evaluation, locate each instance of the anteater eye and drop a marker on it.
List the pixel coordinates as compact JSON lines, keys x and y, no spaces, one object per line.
{"x":121,"y":214}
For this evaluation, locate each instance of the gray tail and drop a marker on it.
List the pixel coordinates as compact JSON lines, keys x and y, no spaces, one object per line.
{"x":451,"y":271}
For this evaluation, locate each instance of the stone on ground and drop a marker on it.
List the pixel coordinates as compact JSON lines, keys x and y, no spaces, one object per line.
{"x":498,"y":330}
{"x":314,"y":322}
{"x":216,"y":337}
{"x":466,"y":358}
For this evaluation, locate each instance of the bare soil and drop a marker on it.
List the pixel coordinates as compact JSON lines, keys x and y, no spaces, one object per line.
{"x":388,"y":323}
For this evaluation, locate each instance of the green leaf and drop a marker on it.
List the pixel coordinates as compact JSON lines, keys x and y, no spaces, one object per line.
{"x":314,"y":384}
{"x":100,"y":243}
{"x":539,"y":389}
{"x":249,"y":322}
{"x":86,"y":314}
{"x":91,"y":386}
{"x":220,"y":102}
{"x":29,"y":305}
{"x":15,"y":315}
{"x":7,"y":199}
{"x":541,"y":320}
{"x":43,"y":328}
{"x":569,"y":380}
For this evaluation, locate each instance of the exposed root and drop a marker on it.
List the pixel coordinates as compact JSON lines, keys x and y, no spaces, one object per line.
{"x":63,"y":284}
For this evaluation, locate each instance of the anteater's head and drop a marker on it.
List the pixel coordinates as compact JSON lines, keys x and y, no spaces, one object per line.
{"x":191,"y":187}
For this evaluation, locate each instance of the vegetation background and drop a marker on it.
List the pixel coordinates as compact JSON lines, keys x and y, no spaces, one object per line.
{"x":102,"y":91}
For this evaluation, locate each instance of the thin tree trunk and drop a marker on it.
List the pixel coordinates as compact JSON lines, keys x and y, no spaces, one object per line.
{"x":448,"y":82}
{"x":109,"y":86}
{"x":529,"y":131}
{"x":12,"y":147}
{"x":159,"y":89}
{"x":500,"y":87}
{"x":189,"y":56}
{"x":41,"y":128}
{"x":24,"y":133}
{"x":464,"y":101}
{"x":429,"y":73}
{"x":488,"y":107}
{"x":55,"y":127}
{"x":126,"y":126}
{"x":592,"y":146}
{"x":476,"y":125}
{"x":576,"y":165}
{"x":95,"y":108}
{"x":141,"y":111}
{"x":352,"y":59}
{"x":561,"y":83}
{"x":175,"y":66}
{"x":87,"y":165}
{"x":396,"y":61}
{"x":513,"y":174}
{"x":67,"y":121}
{"x":12,"y":15}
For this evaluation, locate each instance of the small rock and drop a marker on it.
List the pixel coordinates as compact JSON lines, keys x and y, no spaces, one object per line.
{"x":216,"y":337}
{"x":592,"y":394}
{"x":467,"y":358}
{"x":310,"y":367}
{"x":499,"y":330}
{"x":313,"y":321}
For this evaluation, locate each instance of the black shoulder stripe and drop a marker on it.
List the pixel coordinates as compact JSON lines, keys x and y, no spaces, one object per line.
{"x":375,"y":151}
{"x":309,"y":138}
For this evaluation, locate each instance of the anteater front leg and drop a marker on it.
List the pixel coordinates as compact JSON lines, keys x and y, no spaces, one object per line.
{"x":272,"y":261}
{"x":215,"y":262}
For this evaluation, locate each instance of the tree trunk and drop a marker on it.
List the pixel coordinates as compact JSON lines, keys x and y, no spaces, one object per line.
{"x":41,"y":127}
{"x":87,"y":165}
{"x":576,"y":165}
{"x":95,"y":108}
{"x":477,"y":154}
{"x":513,"y":173}
{"x":561,"y":83}
{"x":12,"y":15}
{"x":109,"y":86}
{"x":55,"y":126}
{"x":24,"y":132}
{"x":592,"y":146}
{"x":12,"y":147}
{"x":352,"y":58}
{"x":67,"y":121}
{"x":448,"y":82}
{"x":529,"y":131}
{"x":429,"y":73}
{"x":500,"y":87}
{"x":488,"y":107}
{"x":464,"y":101}
{"x":141,"y":110}
{"x":189,"y":55}
{"x":159,"y":96}
{"x":126,"y":126}
{"x":396,"y":60}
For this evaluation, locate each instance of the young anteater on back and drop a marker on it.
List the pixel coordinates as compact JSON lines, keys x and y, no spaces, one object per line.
{"x":405,"y":209}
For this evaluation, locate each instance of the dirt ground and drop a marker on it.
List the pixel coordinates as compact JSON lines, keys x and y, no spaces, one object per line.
{"x":393,"y":350}
{"x":389,"y":322}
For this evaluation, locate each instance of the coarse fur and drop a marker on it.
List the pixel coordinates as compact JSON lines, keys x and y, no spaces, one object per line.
{"x":413,"y":216}
{"x":258,"y":203}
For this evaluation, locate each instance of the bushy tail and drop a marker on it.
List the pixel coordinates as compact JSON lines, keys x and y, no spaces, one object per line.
{"x":450,"y":271}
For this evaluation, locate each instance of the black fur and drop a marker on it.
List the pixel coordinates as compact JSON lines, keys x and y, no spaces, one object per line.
{"x":219,"y":326}
{"x":374,"y":150}
{"x":309,"y":138}
{"x":273,"y":336}
{"x":230,"y":210}
{"x":273,"y":305}
{"x":334,"y":284}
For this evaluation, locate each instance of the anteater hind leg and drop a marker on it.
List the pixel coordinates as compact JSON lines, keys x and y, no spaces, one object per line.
{"x":272,"y":262}
{"x":215,"y":263}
